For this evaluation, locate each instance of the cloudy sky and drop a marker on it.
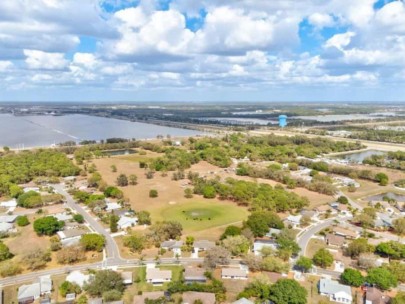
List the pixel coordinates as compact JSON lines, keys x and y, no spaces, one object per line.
{"x":202,"y":50}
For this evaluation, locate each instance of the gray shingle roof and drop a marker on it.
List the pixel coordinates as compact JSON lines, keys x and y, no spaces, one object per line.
{"x":331,"y":287}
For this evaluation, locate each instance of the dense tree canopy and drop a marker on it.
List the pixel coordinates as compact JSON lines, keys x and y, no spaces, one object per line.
{"x":286,"y":291}
{"x":352,"y":277}
{"x":47,"y":225}
{"x":103,"y":281}
{"x":25,"y":166}
{"x":382,"y":278}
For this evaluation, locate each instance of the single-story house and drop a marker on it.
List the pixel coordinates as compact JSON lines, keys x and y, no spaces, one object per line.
{"x":63,"y":216}
{"x":346,"y":233}
{"x":110,"y":206}
{"x":70,"y":237}
{"x":9,"y":204}
{"x":78,"y":277}
{"x":190,"y":297}
{"x":194,"y":275}
{"x":45,"y":301}
{"x":152,"y":295}
{"x":335,"y":240}
{"x":293,"y":220}
{"x":45,"y":284}
{"x":383,"y":221}
{"x":8,"y":218}
{"x":203,"y":245}
{"x":28,"y":189}
{"x":243,"y":301}
{"x":127,"y":277}
{"x":6,"y":227}
{"x":70,"y":297}
{"x":234,"y":273}
{"x":258,"y":245}
{"x":335,"y":291}
{"x":29,"y":293}
{"x":172,"y":245}
{"x":127,"y":222}
{"x":157,"y":277}
{"x":375,"y":296}
{"x":273,"y":232}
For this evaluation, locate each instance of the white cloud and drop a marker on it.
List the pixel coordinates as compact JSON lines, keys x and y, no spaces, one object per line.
{"x":5,"y":65}
{"x":321,"y":20}
{"x":340,"y":41}
{"x":47,"y":61}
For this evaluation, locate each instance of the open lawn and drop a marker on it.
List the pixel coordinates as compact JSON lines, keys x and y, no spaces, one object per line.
{"x":313,"y":246}
{"x":199,"y":215}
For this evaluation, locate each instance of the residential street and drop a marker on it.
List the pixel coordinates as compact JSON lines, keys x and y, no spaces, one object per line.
{"x":112,"y":250}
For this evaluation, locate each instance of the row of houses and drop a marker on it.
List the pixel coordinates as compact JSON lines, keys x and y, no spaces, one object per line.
{"x":176,"y":246}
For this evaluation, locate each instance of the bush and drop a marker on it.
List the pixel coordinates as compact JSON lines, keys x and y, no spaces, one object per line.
{"x":30,"y":199}
{"x":93,"y":241}
{"x":68,"y":287}
{"x":8,"y":269}
{"x":22,"y":221}
{"x":78,"y":218}
{"x":114,"y":192}
{"x":153,"y":193}
{"x":47,"y":225}
{"x":36,"y":259}
{"x":5,"y":253}
{"x":112,"y":295}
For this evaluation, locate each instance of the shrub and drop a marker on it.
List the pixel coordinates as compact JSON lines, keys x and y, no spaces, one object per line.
{"x":153,"y":193}
{"x":22,"y":220}
{"x":78,"y":218}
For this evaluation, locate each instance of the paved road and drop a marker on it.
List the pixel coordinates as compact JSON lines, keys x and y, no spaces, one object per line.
{"x":304,"y":238}
{"x":112,"y":250}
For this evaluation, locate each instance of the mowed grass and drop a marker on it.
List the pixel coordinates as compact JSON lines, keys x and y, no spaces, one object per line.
{"x":200,"y":215}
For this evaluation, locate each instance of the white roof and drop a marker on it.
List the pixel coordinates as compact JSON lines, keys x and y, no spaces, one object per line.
{"x":113,"y":206}
{"x":331,"y":287}
{"x":126,"y":221}
{"x":234,"y":272}
{"x":4,"y":227}
{"x":78,"y":277}
{"x":11,"y":203}
{"x":294,"y":219}
{"x":28,"y":291}
{"x":7,"y":218}
{"x":28,"y":189}
{"x":63,"y":216}
{"x":243,"y":301}
{"x":46,"y":283}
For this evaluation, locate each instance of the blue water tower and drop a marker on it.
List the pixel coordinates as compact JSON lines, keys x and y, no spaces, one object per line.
{"x":282,"y":121}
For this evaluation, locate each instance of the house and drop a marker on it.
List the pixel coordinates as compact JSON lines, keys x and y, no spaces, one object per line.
{"x":194,"y":275}
{"x":293,"y":220}
{"x":70,"y":237}
{"x":191,"y":297}
{"x":203,"y":245}
{"x":8,"y":218}
{"x":78,"y":277}
{"x":6,"y":227}
{"x":273,"y":232}
{"x":335,"y":240}
{"x":45,"y":284}
{"x":243,"y":301}
{"x":375,"y":296}
{"x":70,"y":297}
{"x":96,"y":301}
{"x":234,"y":274}
{"x":153,"y":295}
{"x":63,"y":216}
{"x":157,"y":277}
{"x":28,"y":189}
{"x":127,"y":277}
{"x":346,"y":233}
{"x":127,"y":222}
{"x":110,"y":206}
{"x":29,"y":293}
{"x":383,"y":221}
{"x":335,"y":291}
{"x":9,"y":204}
{"x":172,"y":245}
{"x":258,"y":245}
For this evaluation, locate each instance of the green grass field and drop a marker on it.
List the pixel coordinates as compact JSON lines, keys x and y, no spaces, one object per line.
{"x":199,"y":215}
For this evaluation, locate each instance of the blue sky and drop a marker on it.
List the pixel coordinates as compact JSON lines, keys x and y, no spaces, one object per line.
{"x":202,"y":50}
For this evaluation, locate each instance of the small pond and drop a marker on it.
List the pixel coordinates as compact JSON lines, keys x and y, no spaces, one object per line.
{"x":358,"y":157}
{"x":119,"y":152}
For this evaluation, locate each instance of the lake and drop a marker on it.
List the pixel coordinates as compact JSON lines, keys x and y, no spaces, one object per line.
{"x":358,"y":157}
{"x":34,"y":131}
